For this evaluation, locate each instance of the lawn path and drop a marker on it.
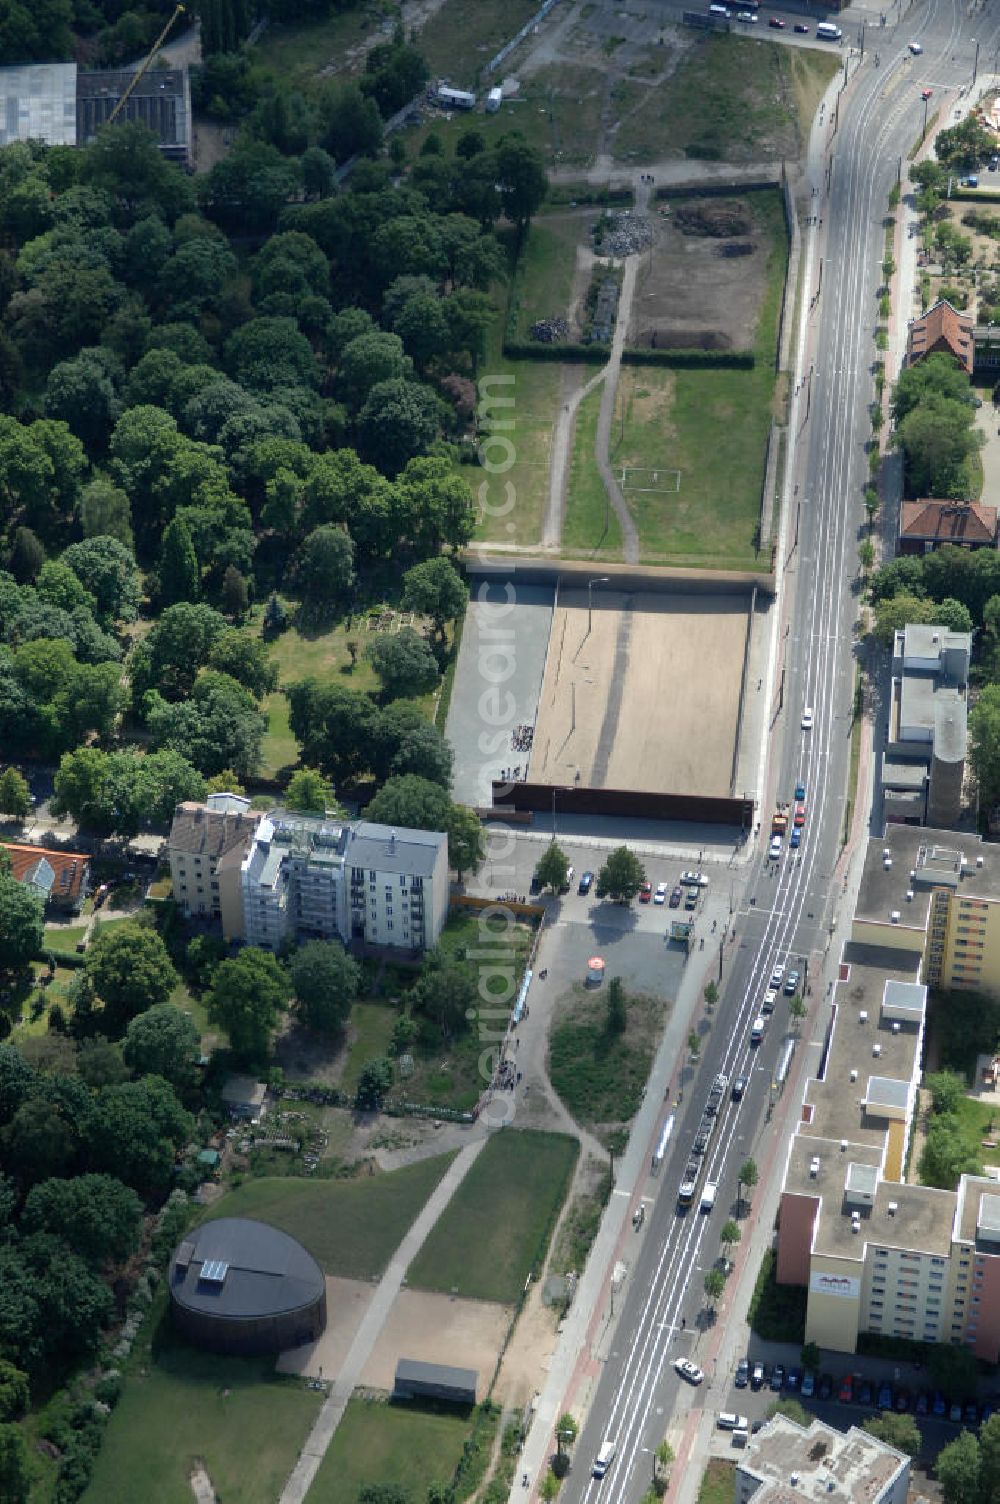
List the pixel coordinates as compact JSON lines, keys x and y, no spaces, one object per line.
{"x":375,"y":1317}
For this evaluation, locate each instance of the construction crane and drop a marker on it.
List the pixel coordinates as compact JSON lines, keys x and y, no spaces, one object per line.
{"x":179,"y":11}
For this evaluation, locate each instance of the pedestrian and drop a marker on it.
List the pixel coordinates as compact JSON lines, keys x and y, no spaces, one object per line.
{"x":684,"y":1322}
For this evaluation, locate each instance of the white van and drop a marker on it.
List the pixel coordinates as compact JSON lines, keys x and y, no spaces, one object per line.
{"x":757,"y":1030}
{"x":708,"y":1195}
{"x":604,"y":1458}
{"x":827,"y":32}
{"x":729,"y":1421}
{"x":741,"y":1436}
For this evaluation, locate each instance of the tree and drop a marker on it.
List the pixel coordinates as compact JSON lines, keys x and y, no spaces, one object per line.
{"x":711,"y":995}
{"x":180,"y":578}
{"x":334,"y":726}
{"x":694,"y":1044}
{"x":21,"y":924}
{"x":411,"y":802}
{"x":374,"y":1084}
{"x":309,"y":792}
{"x":404,"y":663}
{"x":219,"y":727}
{"x":249,"y":993}
{"x":15,"y":795}
{"x":900,"y":1431}
{"x":235,"y":594}
{"x":937,"y":440}
{"x":552,"y":868}
{"x":163,"y":1041}
{"x":108,"y":570}
{"x":617,"y":1015}
{"x":958,"y":1469}
{"x":325,"y":981}
{"x":15,"y":1393}
{"x":372,"y":357}
{"x":444,"y":992}
{"x":399,"y":420}
{"x":947,"y":1089}
{"x":466,"y":840}
{"x":27,"y":555}
{"x":134,"y":1131}
{"x":729,"y":1234}
{"x":621,"y":877}
{"x":715,"y":1283}
{"x":984,"y":743}
{"x":898,"y":611}
{"x":130,"y":971}
{"x":946,"y":1154}
{"x":98,"y":1216}
{"x":179,"y":645}
{"x":989,"y":1454}
{"x":15,"y":1474}
{"x":324,"y":571}
{"x":245,"y":659}
{"x":521,"y":178}
{"x":746,"y":1176}
{"x":796,"y":1009}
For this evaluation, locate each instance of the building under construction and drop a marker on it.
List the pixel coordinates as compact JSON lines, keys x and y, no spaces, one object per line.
{"x":64,"y":106}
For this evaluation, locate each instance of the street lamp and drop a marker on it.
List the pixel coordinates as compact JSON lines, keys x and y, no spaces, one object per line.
{"x":604,"y":580}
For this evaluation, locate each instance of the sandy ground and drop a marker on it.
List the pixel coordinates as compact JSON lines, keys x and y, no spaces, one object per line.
{"x":438,"y":1329}
{"x":347,"y":1300}
{"x":648,"y":699}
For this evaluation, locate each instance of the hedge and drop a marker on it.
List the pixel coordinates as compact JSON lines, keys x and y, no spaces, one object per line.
{"x":534,"y":350}
{"x":588,"y":196}
{"x":738,"y":360}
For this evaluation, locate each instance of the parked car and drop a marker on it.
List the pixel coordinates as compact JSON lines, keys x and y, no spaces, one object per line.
{"x":922,"y":1404}
{"x":676,"y":894}
{"x":793,"y":1380}
{"x":824,"y":1389}
{"x":792,"y":983}
{"x":885,"y":1397}
{"x":801,"y":28}
{"x":698,"y":878}
{"x":776,"y":976}
{"x":586,"y":883}
{"x":939,"y":1404}
{"x":955,"y":1413}
{"x":926,"y":93}
{"x":742,"y":1376}
{"x":902,"y":1401}
{"x":971,"y":1413}
{"x":864,"y":1393}
{"x":808,"y":1385}
{"x":916,"y":49}
{"x":777,"y":23}
{"x":774,"y":850}
{"x":778,"y":1377}
{"x":758,"y":1376}
{"x":750,"y":16}
{"x":845,"y":1393}
{"x":688,"y":1370}
{"x":691,"y":898}
{"x":660,"y":896}
{"x":770,"y":997}
{"x":646,"y":892}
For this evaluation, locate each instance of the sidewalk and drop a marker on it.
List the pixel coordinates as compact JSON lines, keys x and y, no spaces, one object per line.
{"x":330,"y":1416}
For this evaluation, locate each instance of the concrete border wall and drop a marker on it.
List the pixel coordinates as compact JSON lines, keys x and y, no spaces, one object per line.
{"x":579,"y":800}
{"x":538,"y":569}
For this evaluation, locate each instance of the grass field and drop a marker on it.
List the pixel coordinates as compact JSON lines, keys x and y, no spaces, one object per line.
{"x":180,"y":1405}
{"x":600,"y":1077}
{"x":590,"y":526}
{"x":461,"y":38}
{"x":545,"y":274}
{"x":717,"y":1482}
{"x":711,"y":425}
{"x":299,"y":52}
{"x":731,"y":97}
{"x":977,"y":1121}
{"x":351,"y":1227}
{"x":406,"y":1445}
{"x":64,"y":936}
{"x":497,"y":1226}
{"x":371,"y":1027}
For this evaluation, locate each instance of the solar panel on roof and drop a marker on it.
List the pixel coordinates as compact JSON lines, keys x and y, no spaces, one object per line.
{"x":214,"y":1271}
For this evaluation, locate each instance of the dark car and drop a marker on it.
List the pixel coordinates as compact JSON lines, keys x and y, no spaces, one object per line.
{"x":535,"y":886}
{"x":971,"y":1412}
{"x":902,"y":1401}
{"x":758,"y":1376}
{"x":777,"y":23}
{"x":939,"y":1405}
{"x":922,"y":1404}
{"x":737,"y":1089}
{"x":824,"y":1389}
{"x":676,"y":894}
{"x":955,"y":1413}
{"x":885,"y":1397}
{"x":586,"y":883}
{"x":864,"y":1393}
{"x":777,"y":1377}
{"x":793,"y":1379}
{"x":742,"y":1378}
{"x":802,"y":30}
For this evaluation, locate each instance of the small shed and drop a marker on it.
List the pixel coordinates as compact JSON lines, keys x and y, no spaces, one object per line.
{"x":434,"y":1381}
{"x":208,"y":1160}
{"x":244,"y":1097}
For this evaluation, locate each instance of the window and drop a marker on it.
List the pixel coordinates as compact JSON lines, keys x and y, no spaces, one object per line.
{"x":389,"y":925}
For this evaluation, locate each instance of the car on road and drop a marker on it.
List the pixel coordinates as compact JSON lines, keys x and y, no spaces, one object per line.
{"x":793,"y":1380}
{"x":992,"y":164}
{"x":738,"y":1088}
{"x":758,"y":1376}
{"x":902,"y":1401}
{"x":792,"y":983}
{"x":939,"y":1405}
{"x":865,"y":1393}
{"x":691,"y":898}
{"x":646,"y":892}
{"x":688,"y":1370}
{"x":586,"y":883}
{"x":799,"y":818}
{"x":808,"y":717}
{"x":916,"y":48}
{"x":742,"y":1376}
{"x":885,"y":1397}
{"x":767,"y":1006}
{"x":801,"y":28}
{"x":676,"y":894}
{"x":698,"y":878}
{"x":777,"y":23}
{"x":824,"y":1389}
{"x":749,"y":16}
{"x":795,"y":839}
{"x":604,"y":1459}
{"x":776,"y":976}
{"x":774,"y":850}
{"x":971,"y":1412}
{"x":757,"y":1029}
{"x":808,"y":1385}
{"x":926,"y":93}
{"x":777,"y":1377}
{"x":845,"y":1393}
{"x":660,"y":896}
{"x":800,"y":791}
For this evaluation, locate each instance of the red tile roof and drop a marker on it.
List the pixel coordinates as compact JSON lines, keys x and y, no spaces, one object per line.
{"x":942,"y":328}
{"x":971,"y":523}
{"x":69,"y":867}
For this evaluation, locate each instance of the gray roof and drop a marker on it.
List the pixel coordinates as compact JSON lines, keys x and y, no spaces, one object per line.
{"x":239,"y":1269}
{"x":209,"y":832}
{"x":38,"y":103}
{"x":412,"y":1371}
{"x":384,"y":849}
{"x":929,"y":639}
{"x":159,"y":100}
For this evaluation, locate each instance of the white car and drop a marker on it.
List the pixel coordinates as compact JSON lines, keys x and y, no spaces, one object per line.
{"x":776,"y":975}
{"x":770,"y":998}
{"x":688,"y":1370}
{"x":807,"y":718}
{"x":695,"y":879}
{"x":916,"y":49}
{"x":746,"y":15}
{"x":774,"y":850}
{"x":660,"y":896}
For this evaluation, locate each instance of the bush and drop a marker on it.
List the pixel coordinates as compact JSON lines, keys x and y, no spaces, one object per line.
{"x":681,"y":360}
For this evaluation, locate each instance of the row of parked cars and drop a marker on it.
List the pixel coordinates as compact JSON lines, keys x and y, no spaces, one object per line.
{"x":864,"y":1392}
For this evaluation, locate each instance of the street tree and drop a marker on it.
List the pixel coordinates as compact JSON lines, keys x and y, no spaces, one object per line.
{"x":249,"y":994}
{"x":796,"y":1009}
{"x":711,"y":995}
{"x":325,"y":981}
{"x":729,"y":1234}
{"x":958,"y":1469}
{"x":715,"y":1283}
{"x":15,"y":795}
{"x":130,"y":970}
{"x":900,"y":1431}
{"x":746,"y":1176}
{"x":694,"y":1044}
{"x":163,"y":1041}
{"x":552,"y":867}
{"x":621,"y":877}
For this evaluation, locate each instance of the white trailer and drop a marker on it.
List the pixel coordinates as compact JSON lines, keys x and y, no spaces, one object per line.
{"x":455,"y":99}
{"x":494,"y":100}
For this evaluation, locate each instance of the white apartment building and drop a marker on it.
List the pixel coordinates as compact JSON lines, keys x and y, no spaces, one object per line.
{"x":785,"y":1463}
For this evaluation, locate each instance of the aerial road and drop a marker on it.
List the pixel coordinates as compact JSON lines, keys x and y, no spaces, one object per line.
{"x":791,"y":901}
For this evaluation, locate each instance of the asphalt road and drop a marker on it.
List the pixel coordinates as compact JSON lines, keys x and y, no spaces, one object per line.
{"x":790,"y":904}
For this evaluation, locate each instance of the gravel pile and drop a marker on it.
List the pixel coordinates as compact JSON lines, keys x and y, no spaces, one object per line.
{"x":549,"y":331}
{"x":626,"y":234}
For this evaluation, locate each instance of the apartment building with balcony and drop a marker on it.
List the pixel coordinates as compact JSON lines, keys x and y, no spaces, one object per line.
{"x":206,"y":845}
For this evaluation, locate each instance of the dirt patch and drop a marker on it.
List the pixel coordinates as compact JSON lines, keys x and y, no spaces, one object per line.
{"x":347,"y":1300}
{"x":439,"y":1329}
{"x":648,"y":405}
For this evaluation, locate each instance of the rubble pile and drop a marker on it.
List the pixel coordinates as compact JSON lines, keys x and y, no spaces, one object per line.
{"x":625,"y":234}
{"x":719,"y":219}
{"x":549,"y":331}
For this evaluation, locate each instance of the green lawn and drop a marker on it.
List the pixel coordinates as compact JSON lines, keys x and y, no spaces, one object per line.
{"x":371,"y":1026}
{"x":299,"y":52}
{"x":242,"y":1421}
{"x":63,"y":936}
{"x":717,"y":1482}
{"x":974,"y":1120}
{"x":591,"y":525}
{"x":351,"y":1227}
{"x":279,"y":750}
{"x":496,"y":1228}
{"x":463,"y":35}
{"x":510,"y":503}
{"x":732,"y":97}
{"x":601,"y":1077}
{"x":406,"y":1445}
{"x":712,"y":426}
{"x":545,"y":274}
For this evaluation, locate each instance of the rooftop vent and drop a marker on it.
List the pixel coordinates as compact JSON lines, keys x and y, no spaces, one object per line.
{"x":892,"y":1208}
{"x":876,"y":1050}
{"x":979,"y":861}
{"x":895,"y":1026}
{"x":814,"y":1166}
{"x":909,"y":895}
{"x":894,"y":917}
{"x":863,"y":1016}
{"x":843,"y":1146}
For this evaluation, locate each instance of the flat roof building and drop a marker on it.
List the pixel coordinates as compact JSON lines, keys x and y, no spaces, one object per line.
{"x":785,"y":1463}
{"x":923,"y":765}
{"x":38,"y":103}
{"x":434,"y":1381}
{"x":160,"y":100}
